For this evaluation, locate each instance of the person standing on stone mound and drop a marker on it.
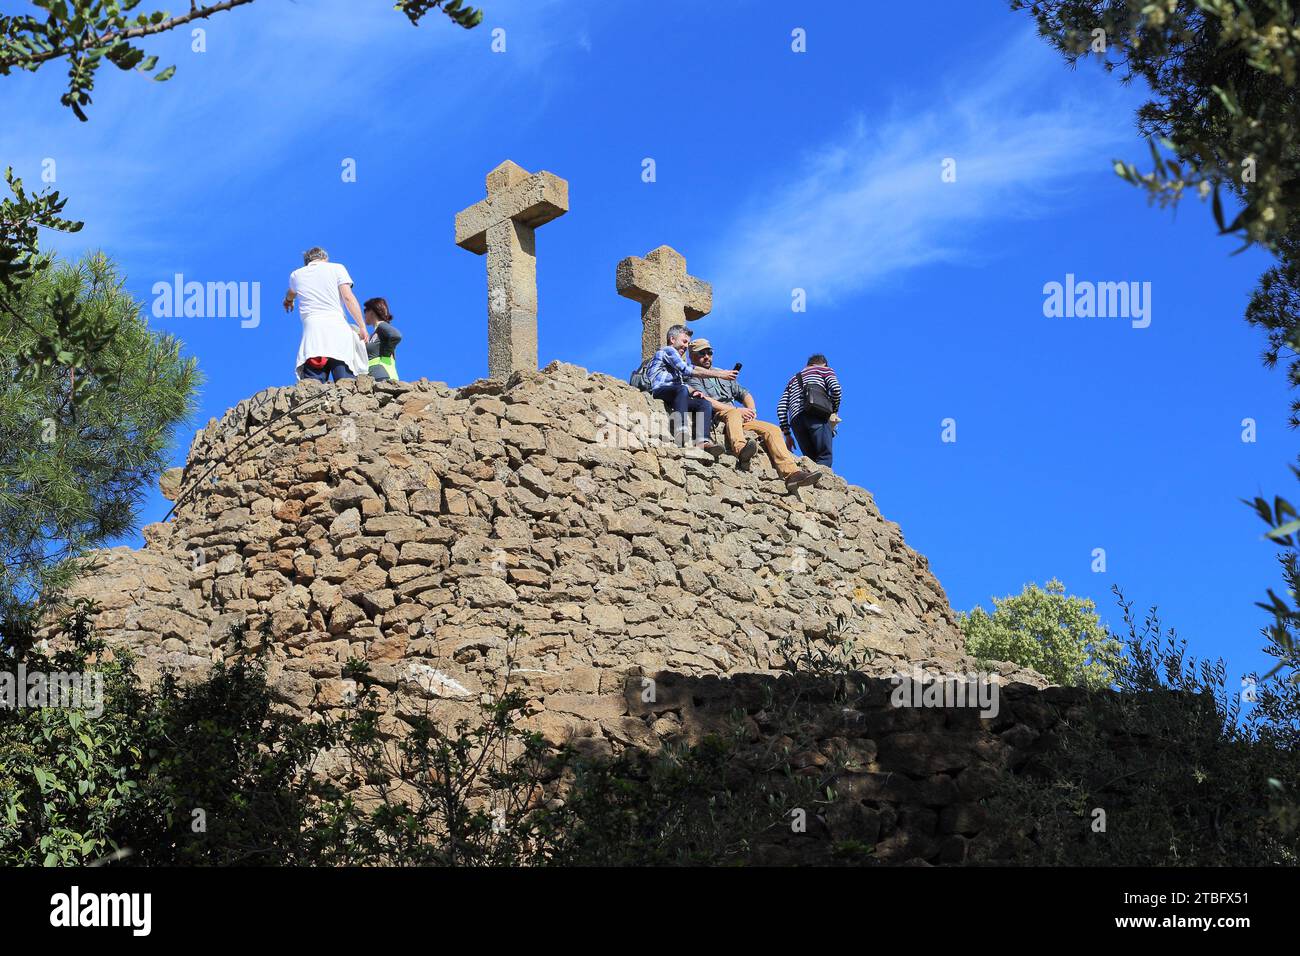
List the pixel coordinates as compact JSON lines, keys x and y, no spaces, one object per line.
{"x":738,"y":421}
{"x":668,"y":373}
{"x":809,"y":409}
{"x":329,"y":348}
{"x":383,"y":340}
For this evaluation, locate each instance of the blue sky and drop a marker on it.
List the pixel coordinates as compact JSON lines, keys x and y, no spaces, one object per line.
{"x":774,"y":170}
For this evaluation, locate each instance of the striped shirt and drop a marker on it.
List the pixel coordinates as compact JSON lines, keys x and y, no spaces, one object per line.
{"x":791,"y":404}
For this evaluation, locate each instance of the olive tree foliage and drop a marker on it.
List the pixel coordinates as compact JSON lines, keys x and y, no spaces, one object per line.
{"x":1192,"y":769}
{"x":212,"y":772}
{"x":73,"y":338}
{"x":1221,"y":119}
{"x":1280,"y":517}
{"x":89,"y":32}
{"x":1222,"y":78}
{"x":1058,"y":635}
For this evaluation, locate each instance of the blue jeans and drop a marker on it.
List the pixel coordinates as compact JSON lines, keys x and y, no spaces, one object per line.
{"x":335,"y":367}
{"x":814,"y":438}
{"x":682,"y":408}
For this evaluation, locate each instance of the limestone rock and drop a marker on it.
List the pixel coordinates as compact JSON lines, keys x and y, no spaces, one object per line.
{"x":169,"y":483}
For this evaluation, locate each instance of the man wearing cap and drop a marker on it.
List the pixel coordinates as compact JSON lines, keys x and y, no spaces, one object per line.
{"x":722,"y":395}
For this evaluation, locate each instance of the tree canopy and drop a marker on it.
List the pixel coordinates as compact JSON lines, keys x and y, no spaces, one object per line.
{"x":89,"y":32}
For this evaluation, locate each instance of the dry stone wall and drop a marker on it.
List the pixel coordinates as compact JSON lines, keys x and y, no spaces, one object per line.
{"x":415,"y":526}
{"x":910,"y":785}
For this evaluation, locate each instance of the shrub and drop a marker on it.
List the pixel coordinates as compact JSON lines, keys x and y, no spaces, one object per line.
{"x":1181,"y":776}
{"x":1059,"y":636}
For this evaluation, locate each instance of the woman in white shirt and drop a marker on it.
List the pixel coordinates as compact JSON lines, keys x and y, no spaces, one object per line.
{"x":329,"y":348}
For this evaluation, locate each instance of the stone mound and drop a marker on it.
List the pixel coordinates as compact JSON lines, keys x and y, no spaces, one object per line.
{"x":417,"y":526}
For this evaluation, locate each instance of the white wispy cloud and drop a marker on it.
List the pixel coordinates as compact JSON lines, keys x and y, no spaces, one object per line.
{"x":870,"y":205}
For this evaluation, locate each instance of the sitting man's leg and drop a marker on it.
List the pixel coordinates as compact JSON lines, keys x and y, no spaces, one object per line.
{"x":339,"y":369}
{"x":774,"y":444}
{"x":782,"y":460}
{"x":702,"y":415}
{"x":676,"y":399}
{"x":733,"y":422}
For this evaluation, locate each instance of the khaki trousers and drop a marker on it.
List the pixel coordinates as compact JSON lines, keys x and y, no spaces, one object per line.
{"x":768,"y":434}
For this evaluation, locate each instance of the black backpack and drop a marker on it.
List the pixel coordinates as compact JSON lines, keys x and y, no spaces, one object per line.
{"x":641,"y":377}
{"x":817,"y":402}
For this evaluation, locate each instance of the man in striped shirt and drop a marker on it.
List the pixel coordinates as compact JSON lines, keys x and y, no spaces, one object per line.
{"x":798,"y":415}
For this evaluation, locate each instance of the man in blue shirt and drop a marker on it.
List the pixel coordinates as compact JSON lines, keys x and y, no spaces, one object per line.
{"x":668,"y":373}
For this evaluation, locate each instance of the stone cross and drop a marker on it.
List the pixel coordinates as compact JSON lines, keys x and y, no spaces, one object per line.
{"x":503,"y":227}
{"x":668,"y":296}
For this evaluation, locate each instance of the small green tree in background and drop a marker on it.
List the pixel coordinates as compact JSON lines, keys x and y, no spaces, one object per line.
{"x":67,"y":777}
{"x":79,"y":443}
{"x":1058,"y":635}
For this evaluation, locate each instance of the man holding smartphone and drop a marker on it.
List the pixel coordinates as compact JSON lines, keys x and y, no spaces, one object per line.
{"x":733,"y":405}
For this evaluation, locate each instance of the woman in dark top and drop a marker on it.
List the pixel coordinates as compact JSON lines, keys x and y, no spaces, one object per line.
{"x":383,"y":340}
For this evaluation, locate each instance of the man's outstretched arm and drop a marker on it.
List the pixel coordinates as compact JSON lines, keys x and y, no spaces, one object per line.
{"x":354,"y":309}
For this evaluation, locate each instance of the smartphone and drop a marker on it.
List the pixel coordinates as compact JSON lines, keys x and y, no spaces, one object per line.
{"x":737,"y":368}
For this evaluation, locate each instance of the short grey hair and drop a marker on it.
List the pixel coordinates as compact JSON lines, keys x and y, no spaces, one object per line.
{"x":675,"y":330}
{"x":313,"y":254}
